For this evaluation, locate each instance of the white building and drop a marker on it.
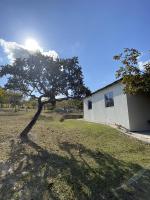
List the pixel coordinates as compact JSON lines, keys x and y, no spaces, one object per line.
{"x":110,"y":105}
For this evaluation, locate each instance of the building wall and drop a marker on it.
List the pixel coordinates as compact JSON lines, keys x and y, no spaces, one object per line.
{"x":139,"y":112}
{"x":118,"y":114}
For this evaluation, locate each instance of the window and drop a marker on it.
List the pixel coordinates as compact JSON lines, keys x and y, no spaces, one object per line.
{"x":109,"y":100}
{"x":89,"y":105}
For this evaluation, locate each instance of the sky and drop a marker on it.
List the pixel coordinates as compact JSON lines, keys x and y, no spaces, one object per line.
{"x":93,"y":30}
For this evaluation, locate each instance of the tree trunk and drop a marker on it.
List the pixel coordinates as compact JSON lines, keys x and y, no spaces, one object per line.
{"x":24,"y":133}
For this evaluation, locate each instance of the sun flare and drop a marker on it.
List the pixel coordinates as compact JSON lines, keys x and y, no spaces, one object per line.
{"x":32,"y":44}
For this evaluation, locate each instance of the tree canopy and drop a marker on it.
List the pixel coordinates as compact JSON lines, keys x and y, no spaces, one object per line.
{"x":43,"y":78}
{"x":40,"y":75}
{"x":136,"y":80}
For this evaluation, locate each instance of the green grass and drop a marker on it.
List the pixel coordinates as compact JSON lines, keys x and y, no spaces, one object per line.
{"x":70,"y":160}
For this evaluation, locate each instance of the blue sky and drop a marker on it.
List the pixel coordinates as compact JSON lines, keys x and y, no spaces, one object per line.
{"x":93,"y":30}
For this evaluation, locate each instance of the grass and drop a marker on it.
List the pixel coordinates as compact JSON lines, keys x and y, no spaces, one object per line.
{"x":70,"y":160}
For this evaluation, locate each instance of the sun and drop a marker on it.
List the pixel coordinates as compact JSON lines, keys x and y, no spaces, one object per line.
{"x":31,"y":44}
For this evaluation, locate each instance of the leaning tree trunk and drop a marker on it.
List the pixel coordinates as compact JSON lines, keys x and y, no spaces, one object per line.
{"x":24,"y":133}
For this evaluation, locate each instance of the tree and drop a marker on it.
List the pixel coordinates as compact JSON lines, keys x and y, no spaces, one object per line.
{"x":70,"y":105}
{"x":2,"y":96}
{"x":30,"y":103}
{"x":136,"y":81}
{"x":45,"y":79}
{"x":10,"y":97}
{"x":14,"y":98}
{"x":76,"y":104}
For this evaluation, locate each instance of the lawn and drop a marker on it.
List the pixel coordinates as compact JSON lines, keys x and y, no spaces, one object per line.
{"x":70,"y":160}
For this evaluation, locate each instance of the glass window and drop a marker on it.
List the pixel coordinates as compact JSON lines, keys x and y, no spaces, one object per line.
{"x":89,"y":105}
{"x":109,"y":100}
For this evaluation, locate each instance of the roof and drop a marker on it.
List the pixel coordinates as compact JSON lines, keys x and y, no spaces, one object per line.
{"x":109,"y":85}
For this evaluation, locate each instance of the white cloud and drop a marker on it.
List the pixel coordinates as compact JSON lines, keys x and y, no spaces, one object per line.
{"x":14,"y":50}
{"x":141,"y":64}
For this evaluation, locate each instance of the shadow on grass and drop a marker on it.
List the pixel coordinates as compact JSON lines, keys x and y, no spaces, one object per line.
{"x":80,"y":173}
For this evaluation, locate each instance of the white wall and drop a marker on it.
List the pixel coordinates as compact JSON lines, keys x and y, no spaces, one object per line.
{"x":139,"y":112}
{"x":118,"y":114}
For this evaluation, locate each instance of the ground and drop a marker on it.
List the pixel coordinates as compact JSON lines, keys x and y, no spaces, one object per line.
{"x":70,"y":160}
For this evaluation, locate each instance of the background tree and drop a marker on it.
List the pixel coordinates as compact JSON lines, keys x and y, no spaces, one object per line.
{"x":136,"y":81}
{"x":2,"y":96}
{"x":31,"y":103}
{"x":45,"y":79}
{"x":71,"y":105}
{"x":76,"y":104}
{"x":14,"y":98}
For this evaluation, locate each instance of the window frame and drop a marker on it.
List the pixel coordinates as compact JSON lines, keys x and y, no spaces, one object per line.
{"x":109,"y":99}
{"x":89,"y":105}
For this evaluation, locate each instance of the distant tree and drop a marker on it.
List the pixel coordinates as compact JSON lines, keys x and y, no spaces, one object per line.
{"x":14,"y":98}
{"x":10,"y":97}
{"x":70,"y":105}
{"x":2,"y":96}
{"x":77,"y":104}
{"x":45,"y":79}
{"x":136,"y":81}
{"x":31,"y":103}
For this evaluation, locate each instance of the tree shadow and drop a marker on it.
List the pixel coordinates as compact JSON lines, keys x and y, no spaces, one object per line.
{"x":32,"y":172}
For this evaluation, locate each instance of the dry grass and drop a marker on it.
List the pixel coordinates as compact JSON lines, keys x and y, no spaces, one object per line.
{"x":69,"y":160}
